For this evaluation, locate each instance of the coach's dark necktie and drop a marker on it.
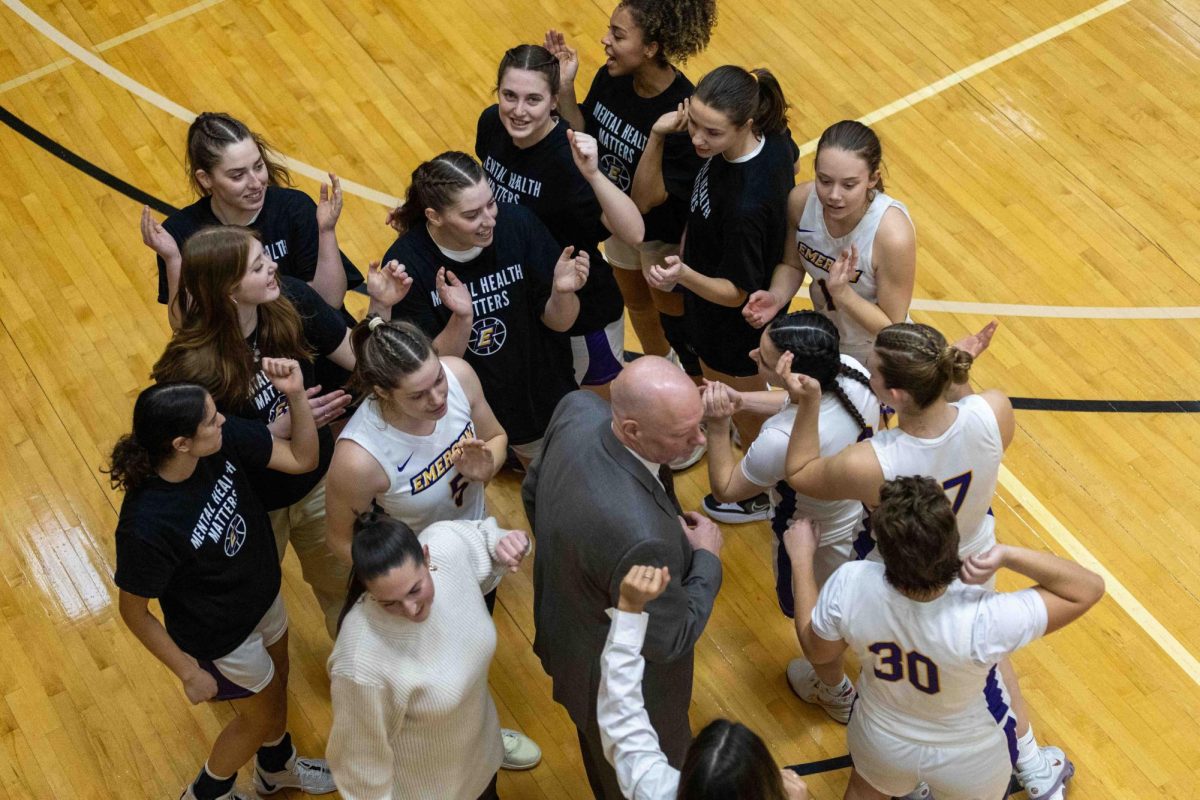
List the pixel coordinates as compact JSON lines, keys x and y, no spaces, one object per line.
{"x":667,"y":478}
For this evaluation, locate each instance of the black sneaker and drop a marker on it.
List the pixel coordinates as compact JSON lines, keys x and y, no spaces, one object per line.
{"x":755,"y":509}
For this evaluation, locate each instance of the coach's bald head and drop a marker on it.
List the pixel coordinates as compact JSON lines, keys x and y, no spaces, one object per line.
{"x":657,"y":410}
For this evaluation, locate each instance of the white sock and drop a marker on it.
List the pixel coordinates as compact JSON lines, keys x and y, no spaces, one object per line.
{"x":1029,"y":753}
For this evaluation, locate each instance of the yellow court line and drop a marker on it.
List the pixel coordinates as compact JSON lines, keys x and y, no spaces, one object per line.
{"x":108,"y":44}
{"x":982,"y":65}
{"x":1115,"y":589}
{"x":144,"y":92}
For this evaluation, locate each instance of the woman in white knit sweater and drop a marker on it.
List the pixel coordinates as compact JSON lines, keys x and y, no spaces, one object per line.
{"x":412,"y":715}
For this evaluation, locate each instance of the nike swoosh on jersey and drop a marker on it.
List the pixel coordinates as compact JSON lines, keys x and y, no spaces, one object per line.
{"x":405,"y":464}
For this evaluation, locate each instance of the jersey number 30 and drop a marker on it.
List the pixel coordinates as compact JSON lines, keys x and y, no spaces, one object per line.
{"x":893,"y":664}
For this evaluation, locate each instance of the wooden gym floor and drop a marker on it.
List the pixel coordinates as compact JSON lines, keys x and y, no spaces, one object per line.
{"x":1041,"y":146}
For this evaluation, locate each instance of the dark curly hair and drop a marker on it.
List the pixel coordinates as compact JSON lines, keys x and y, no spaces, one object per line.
{"x":917,"y":535}
{"x":682,"y":28}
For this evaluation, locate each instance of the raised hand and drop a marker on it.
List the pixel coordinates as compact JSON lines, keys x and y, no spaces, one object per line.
{"x":199,"y":686}
{"x":474,"y":460}
{"x":978,"y":569}
{"x":673,"y":121}
{"x":800,"y":388}
{"x":585,"y":152}
{"x":761,"y":307}
{"x":388,"y":285}
{"x":720,"y":401}
{"x":453,"y":293}
{"x":843,"y":271}
{"x":802,"y":536}
{"x":512,"y":549}
{"x":642,"y":585}
{"x":568,"y":59}
{"x":571,"y":271}
{"x":976,"y":343}
{"x":156,"y":237}
{"x":329,"y":207}
{"x":284,"y":374}
{"x":664,"y":277}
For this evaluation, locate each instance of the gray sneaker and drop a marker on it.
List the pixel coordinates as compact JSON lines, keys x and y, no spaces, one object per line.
{"x":837,"y":701}
{"x":755,"y":509}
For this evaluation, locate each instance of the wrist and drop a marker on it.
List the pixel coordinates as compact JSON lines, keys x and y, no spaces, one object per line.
{"x":628,"y":606}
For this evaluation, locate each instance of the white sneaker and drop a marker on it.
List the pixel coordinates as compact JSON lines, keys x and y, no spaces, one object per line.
{"x":755,"y":509}
{"x":309,"y":775}
{"x":690,"y":459}
{"x":232,"y":794}
{"x":920,"y":793}
{"x":520,"y":752}
{"x":1047,"y":780}
{"x":837,"y":702}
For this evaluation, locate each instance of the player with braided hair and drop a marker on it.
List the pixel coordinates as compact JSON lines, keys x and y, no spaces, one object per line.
{"x":945,"y":432}
{"x":638,"y":84}
{"x":812,"y":342}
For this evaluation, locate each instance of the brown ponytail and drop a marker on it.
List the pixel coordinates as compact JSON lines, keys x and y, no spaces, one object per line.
{"x":916,"y":359}
{"x":742,"y":95}
{"x":437,"y":184}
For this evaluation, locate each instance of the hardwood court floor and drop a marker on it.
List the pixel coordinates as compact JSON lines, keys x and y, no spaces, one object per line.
{"x":1057,"y":177}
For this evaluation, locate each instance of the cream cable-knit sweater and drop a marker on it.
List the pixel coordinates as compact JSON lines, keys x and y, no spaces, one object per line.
{"x":412,"y":714}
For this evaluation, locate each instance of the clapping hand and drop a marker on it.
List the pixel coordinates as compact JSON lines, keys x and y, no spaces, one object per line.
{"x":453,"y":293}
{"x":794,"y":787}
{"x":800,"y":387}
{"x":571,"y":271}
{"x":640,"y":586}
{"x":761,"y":307}
{"x":843,"y":272}
{"x":330,"y":206}
{"x":664,"y":276}
{"x":568,"y":59}
{"x":673,"y":121}
{"x":976,"y":343}
{"x":156,"y":237}
{"x":473,"y":460}
{"x":327,"y":407}
{"x":284,"y":374}
{"x":512,"y":549}
{"x":388,"y":285}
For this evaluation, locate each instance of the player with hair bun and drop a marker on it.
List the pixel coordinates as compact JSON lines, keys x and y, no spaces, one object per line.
{"x":639,"y":83}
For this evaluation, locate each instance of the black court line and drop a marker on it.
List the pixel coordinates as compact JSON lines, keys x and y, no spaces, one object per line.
{"x":844,"y":762}
{"x":166,"y":209}
{"x":83,"y":165}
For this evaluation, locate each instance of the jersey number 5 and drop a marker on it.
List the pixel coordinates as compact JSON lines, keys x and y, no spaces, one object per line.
{"x":893,"y":664}
{"x":458,"y":487}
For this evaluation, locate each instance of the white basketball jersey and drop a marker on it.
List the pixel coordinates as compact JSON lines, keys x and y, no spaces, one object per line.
{"x":424,"y":486}
{"x":965,"y":460}
{"x":818,"y":251}
{"x":764,"y":463}
{"x":928,"y":668}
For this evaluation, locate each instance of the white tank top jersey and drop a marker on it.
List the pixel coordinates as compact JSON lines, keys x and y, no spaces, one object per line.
{"x":424,"y":486}
{"x":764,"y":463}
{"x":929,"y":668}
{"x":965,"y":460}
{"x":819,"y":250}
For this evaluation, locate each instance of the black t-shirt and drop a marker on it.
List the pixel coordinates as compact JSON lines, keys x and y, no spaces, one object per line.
{"x":324,"y":331}
{"x":204,"y":546}
{"x":736,"y":229}
{"x":544,"y":179}
{"x":287,"y":224}
{"x":621,"y":120}
{"x":524,"y":367}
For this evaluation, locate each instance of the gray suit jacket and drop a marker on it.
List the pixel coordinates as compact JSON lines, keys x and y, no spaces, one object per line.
{"x":596,"y":511}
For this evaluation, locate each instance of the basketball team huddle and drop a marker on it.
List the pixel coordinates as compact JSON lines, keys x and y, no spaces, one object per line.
{"x":495,"y":339}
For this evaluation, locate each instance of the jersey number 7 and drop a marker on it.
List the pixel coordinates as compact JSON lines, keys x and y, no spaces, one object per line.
{"x":963,"y":484}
